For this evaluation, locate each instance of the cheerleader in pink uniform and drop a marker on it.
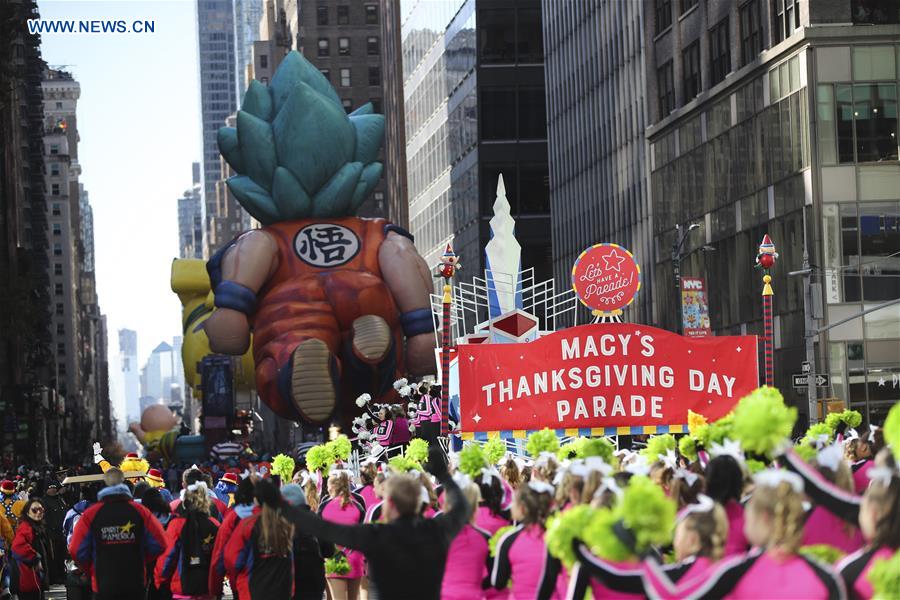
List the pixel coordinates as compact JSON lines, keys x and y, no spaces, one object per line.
{"x":490,"y":516}
{"x":522,"y":555}
{"x":773,"y":524}
{"x":823,"y":526}
{"x":341,"y":507}
{"x":699,"y":542}
{"x":468,"y":560}
{"x":725,"y":485}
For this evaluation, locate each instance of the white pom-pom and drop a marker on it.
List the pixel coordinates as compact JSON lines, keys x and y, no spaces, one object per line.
{"x":412,"y":427}
{"x":400,"y":383}
{"x":364,"y":399}
{"x":364,"y":435}
{"x":412,"y":407}
{"x":404,"y":391}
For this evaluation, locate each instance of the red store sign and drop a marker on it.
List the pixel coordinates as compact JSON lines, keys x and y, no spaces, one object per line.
{"x":603,"y":375}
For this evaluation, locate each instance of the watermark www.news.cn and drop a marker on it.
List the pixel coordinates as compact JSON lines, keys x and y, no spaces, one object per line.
{"x":41,"y":26}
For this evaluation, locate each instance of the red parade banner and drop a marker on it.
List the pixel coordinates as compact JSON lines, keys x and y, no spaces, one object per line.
{"x":603,"y":375}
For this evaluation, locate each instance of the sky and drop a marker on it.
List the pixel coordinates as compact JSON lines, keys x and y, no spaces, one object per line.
{"x":139,"y":129}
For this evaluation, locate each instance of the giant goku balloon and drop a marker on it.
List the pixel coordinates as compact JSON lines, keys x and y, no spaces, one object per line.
{"x":338,"y":305}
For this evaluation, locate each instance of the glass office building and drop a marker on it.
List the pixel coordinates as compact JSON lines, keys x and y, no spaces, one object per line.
{"x":473,"y":87}
{"x":780,"y":117}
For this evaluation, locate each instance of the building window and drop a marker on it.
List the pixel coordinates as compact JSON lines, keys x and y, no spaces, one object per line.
{"x":343,"y":15}
{"x":751,"y":31}
{"x":875,"y":12}
{"x":665,"y":84}
{"x":345,"y":77}
{"x":497,"y":36}
{"x":54,"y":148}
{"x":376,"y":105}
{"x":322,"y":15}
{"x":719,"y":51}
{"x":54,"y":189}
{"x":787,"y":18}
{"x":372,"y":46}
{"x":60,"y":329}
{"x":62,"y":367}
{"x":529,"y":36}
{"x":866,"y":122}
{"x":371,"y":14}
{"x":59,"y":106}
{"x":663,"y":15}
{"x":532,"y":114}
{"x":374,"y":76}
{"x":344,"y":46}
{"x":56,"y":209}
{"x":326,"y":73}
{"x":687,"y":5}
{"x":61,"y":349}
{"x":57,"y":269}
{"x":57,"y":289}
{"x":57,"y":249}
{"x":691,"y":66}
{"x":498,"y":115}
{"x":54,"y":169}
{"x":57,"y":229}
{"x":324,"y":47}
{"x":347,"y":103}
{"x":59,"y":308}
{"x":264,"y":61}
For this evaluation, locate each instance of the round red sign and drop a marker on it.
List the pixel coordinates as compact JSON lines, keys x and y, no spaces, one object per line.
{"x":606,"y":278}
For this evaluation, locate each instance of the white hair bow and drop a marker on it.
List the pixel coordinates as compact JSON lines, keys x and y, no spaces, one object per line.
{"x":462,"y":480}
{"x":830,"y":457}
{"x":541,"y":487}
{"x":424,"y":496}
{"x":850,"y":434}
{"x":544,"y":459}
{"x":595,"y":463}
{"x":774,"y":477}
{"x":704,"y":504}
{"x":689,"y":476}
{"x":882,"y":475}
{"x":200,"y":485}
{"x":608,"y":485}
{"x":488,"y":473}
{"x":871,"y":436}
{"x":727,"y":448}
{"x":669,"y":459}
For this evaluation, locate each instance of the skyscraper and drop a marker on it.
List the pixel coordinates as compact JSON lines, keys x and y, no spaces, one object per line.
{"x":218,"y":96}
{"x":190,"y":220}
{"x":473,"y":87}
{"x":128,"y":363}
{"x":781,"y":118}
{"x":596,"y":117}
{"x":247,"y":14}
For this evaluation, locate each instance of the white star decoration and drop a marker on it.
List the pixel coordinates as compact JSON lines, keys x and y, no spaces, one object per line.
{"x":613,"y":261}
{"x":881,"y":382}
{"x":476,"y":418}
{"x":471,"y":357}
{"x":690,"y":351}
{"x":738,"y":348}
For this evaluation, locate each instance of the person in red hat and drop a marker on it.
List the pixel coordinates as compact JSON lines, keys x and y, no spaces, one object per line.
{"x":156,"y":481}
{"x":226,"y":488}
{"x":10,"y":504}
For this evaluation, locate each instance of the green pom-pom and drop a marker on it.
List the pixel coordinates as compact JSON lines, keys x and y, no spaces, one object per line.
{"x":471,"y":460}
{"x":599,"y":536}
{"x":340,"y":448}
{"x":647,"y":512}
{"x":885,"y":576}
{"x":824,"y":553}
{"x":892,"y":431}
{"x":417,"y":450}
{"x":542,"y":441}
{"x":569,"y":450}
{"x":601,"y":447}
{"x":815,"y":432}
{"x":318,"y":458}
{"x":688,"y":448}
{"x":755,"y":466}
{"x":806,"y":452}
{"x":659,"y":445}
{"x":338,"y":565}
{"x":717,"y":431}
{"x":563,"y":527}
{"x":494,"y":450}
{"x":495,"y":539}
{"x":852,"y":418}
{"x":283,"y":466}
{"x":762,"y":421}
{"x":403,"y":464}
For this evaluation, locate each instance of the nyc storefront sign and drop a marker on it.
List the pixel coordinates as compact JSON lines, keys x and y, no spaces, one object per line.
{"x":606,"y":278}
{"x":603,"y":378}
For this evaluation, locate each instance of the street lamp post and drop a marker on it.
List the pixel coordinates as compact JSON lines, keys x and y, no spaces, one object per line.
{"x":677,"y":247}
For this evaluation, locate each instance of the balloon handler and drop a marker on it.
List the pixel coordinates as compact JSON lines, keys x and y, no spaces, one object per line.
{"x":329,"y":297}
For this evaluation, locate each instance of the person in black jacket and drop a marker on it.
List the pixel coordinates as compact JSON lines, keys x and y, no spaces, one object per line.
{"x":406,"y":555}
{"x":56,"y":509}
{"x":309,"y":553}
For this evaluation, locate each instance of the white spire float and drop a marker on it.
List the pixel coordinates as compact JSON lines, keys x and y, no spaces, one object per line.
{"x":503,"y":258}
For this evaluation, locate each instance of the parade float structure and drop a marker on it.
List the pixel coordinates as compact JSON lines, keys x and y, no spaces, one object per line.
{"x":524,"y":362}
